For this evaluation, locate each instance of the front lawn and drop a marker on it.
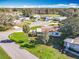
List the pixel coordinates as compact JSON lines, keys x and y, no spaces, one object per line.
{"x":3,"y":55}
{"x":40,"y":50}
{"x":47,"y":52}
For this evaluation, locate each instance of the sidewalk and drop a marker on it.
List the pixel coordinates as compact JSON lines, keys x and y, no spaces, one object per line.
{"x":15,"y":52}
{"x":12,"y":49}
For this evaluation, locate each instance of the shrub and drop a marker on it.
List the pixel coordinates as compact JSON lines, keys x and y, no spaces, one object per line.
{"x":19,"y":37}
{"x":22,"y":38}
{"x":28,"y":45}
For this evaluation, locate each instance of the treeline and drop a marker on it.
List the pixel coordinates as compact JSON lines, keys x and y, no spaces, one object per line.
{"x":61,"y":11}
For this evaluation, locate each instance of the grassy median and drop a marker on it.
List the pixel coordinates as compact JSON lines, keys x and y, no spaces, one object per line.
{"x":3,"y":55}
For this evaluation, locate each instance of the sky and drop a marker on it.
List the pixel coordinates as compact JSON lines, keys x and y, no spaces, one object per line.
{"x":39,"y":3}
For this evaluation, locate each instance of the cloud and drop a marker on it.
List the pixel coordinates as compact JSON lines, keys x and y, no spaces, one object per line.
{"x":71,"y":5}
{"x":54,"y":6}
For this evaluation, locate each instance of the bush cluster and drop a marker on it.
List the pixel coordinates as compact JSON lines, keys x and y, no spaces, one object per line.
{"x":22,"y":39}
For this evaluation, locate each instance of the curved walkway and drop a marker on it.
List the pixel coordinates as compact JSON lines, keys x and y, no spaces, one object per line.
{"x":12,"y":49}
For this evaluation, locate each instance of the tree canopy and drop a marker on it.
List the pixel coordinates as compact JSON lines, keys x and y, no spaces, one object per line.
{"x":71,"y":26}
{"x":6,"y":22}
{"x":26,"y":28}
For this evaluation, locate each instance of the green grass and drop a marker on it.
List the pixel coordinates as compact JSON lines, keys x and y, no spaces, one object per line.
{"x":41,"y":51}
{"x":35,"y":27}
{"x":3,"y":55}
{"x":46,"y":52}
{"x":50,"y":15}
{"x":19,"y":37}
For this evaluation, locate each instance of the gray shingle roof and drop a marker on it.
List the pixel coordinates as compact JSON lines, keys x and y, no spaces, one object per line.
{"x":74,"y":41}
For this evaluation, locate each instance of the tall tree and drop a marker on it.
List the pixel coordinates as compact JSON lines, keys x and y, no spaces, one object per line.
{"x":71,"y":26}
{"x":26,"y":28}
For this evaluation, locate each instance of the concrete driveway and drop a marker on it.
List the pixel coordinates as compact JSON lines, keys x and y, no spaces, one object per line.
{"x":12,"y":49}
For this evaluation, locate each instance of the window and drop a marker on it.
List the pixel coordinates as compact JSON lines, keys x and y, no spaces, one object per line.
{"x":56,"y":33}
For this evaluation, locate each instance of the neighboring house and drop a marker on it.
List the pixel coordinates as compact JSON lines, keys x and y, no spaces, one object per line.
{"x":38,"y":23}
{"x":60,"y":18}
{"x":72,"y":43}
{"x":52,"y":31}
{"x":48,"y":18}
{"x":50,"y":28}
{"x":37,"y":17}
{"x":24,"y":18}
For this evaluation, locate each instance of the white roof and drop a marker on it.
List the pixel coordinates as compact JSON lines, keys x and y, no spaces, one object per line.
{"x":74,"y":41}
{"x":61,"y":18}
{"x":69,"y":40}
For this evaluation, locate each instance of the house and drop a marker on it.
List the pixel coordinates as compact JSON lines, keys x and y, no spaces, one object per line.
{"x":50,"y":28}
{"x":48,"y":18}
{"x":60,"y":18}
{"x":24,"y":18}
{"x":52,"y":31}
{"x":37,"y":17}
{"x":73,"y":44}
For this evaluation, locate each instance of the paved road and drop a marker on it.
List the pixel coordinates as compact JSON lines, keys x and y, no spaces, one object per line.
{"x":12,"y":49}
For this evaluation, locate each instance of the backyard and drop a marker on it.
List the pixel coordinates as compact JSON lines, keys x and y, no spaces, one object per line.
{"x":3,"y":55}
{"x":40,"y":50}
